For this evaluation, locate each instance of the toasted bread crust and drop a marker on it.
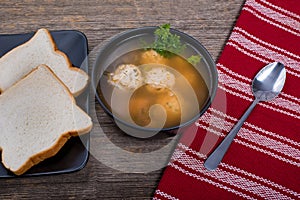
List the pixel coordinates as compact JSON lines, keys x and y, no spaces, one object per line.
{"x":55,"y":50}
{"x":52,"y":151}
{"x":59,"y":143}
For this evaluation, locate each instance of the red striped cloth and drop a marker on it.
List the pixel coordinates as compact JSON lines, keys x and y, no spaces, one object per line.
{"x":264,"y":160}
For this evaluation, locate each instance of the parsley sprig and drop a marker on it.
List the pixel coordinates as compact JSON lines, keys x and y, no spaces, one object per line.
{"x":167,"y":44}
{"x":194,"y":59}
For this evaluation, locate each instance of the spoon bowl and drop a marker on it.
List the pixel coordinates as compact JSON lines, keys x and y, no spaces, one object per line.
{"x":266,"y":85}
{"x":269,"y":81}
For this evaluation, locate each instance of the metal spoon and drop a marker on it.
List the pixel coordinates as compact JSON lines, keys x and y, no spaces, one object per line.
{"x":266,"y":85}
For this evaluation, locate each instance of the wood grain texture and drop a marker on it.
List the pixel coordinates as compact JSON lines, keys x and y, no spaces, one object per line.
{"x":209,"y":21}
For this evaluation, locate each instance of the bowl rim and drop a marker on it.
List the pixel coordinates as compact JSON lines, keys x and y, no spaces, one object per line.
{"x":146,"y":29}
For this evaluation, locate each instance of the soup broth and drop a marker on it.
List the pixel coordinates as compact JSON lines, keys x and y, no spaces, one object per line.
{"x":155,"y":104}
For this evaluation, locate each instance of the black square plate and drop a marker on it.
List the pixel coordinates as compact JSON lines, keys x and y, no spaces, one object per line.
{"x":74,"y":154}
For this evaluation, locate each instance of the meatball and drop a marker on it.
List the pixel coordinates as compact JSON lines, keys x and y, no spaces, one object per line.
{"x":139,"y":106}
{"x":159,"y":77}
{"x":126,"y":76}
{"x":151,"y":56}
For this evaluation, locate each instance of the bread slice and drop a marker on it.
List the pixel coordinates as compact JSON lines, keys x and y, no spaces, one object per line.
{"x":40,"y":49}
{"x":38,"y":115}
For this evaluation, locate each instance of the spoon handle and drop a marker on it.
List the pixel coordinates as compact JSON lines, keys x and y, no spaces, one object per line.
{"x":217,"y":155}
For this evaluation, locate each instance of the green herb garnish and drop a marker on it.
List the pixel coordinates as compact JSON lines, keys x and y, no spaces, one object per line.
{"x":194,"y":60}
{"x":167,"y":44}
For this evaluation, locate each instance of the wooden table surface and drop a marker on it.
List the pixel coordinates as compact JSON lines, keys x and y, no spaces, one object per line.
{"x":209,"y":21}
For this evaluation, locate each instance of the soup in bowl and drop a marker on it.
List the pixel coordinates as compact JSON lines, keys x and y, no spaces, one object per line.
{"x":154,"y":79}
